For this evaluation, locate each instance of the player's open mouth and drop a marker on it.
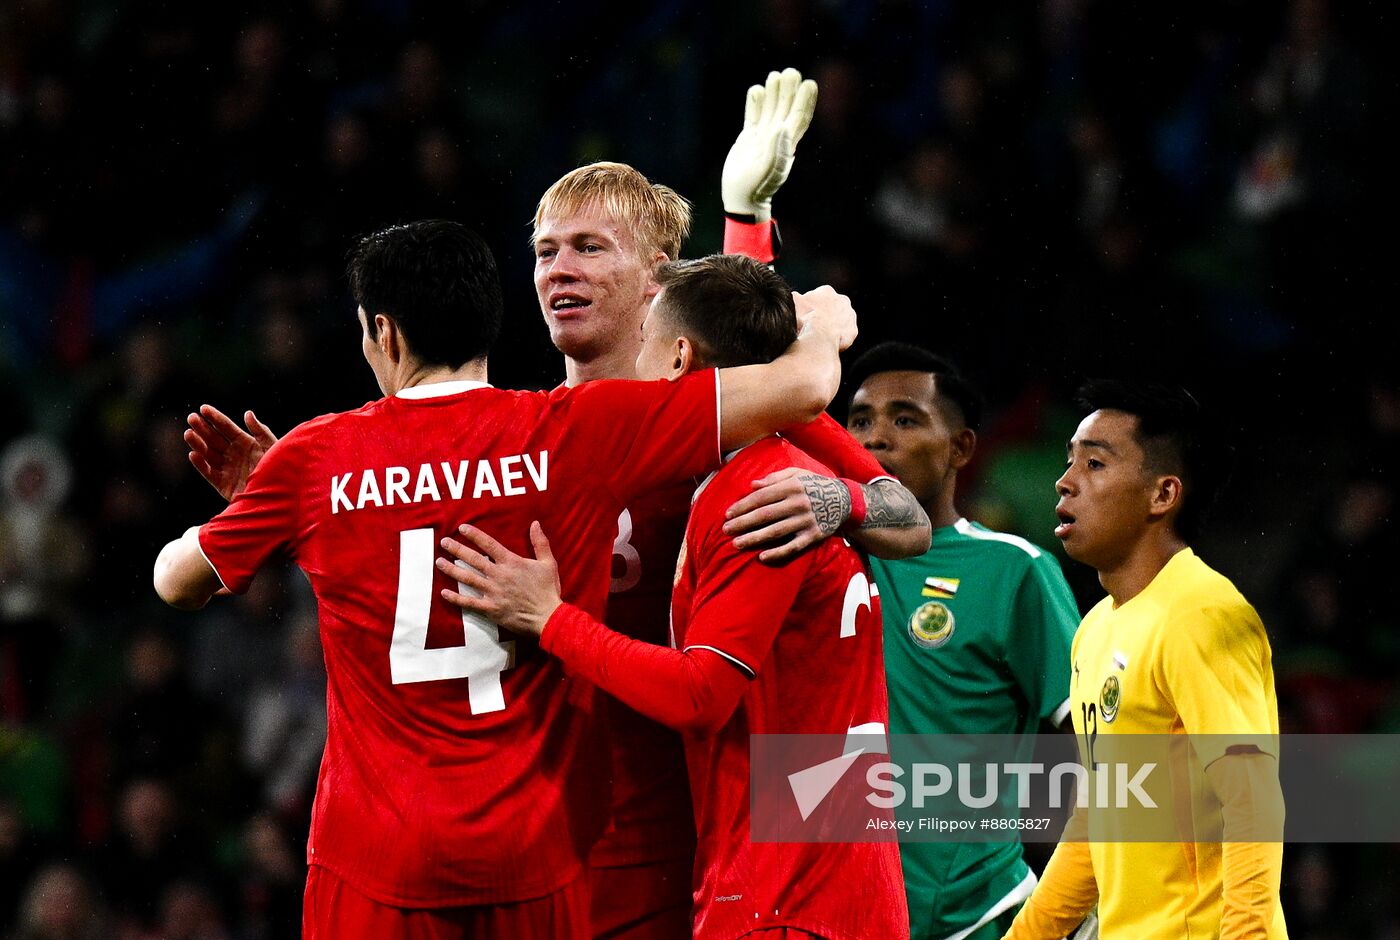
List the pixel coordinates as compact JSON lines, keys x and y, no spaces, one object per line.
{"x":565,"y":306}
{"x":1066,"y":523}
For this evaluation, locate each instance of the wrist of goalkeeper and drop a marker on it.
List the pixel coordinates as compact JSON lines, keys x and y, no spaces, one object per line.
{"x":756,"y":210}
{"x":747,"y":235}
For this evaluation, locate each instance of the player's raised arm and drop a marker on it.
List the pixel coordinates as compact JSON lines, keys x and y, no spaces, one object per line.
{"x":796,"y":387}
{"x":795,"y":510}
{"x":776,"y":115}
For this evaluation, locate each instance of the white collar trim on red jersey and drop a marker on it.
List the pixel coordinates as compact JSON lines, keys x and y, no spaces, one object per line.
{"x":724,"y":458}
{"x":439,"y":389}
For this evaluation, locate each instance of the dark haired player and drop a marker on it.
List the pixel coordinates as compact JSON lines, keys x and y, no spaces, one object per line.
{"x":791,"y":648}
{"x":1173,"y":650}
{"x":458,"y":795}
{"x":977,"y":629}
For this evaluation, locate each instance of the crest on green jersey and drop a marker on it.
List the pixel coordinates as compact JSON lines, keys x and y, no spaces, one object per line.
{"x":931,"y":625}
{"x":1110,"y":697}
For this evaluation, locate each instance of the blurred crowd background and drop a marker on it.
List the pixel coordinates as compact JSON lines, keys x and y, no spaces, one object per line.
{"x":1044,"y":190}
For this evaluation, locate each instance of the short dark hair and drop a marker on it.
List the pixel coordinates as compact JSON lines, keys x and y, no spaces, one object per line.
{"x":949,"y":383}
{"x":439,"y":282}
{"x":1175,"y":438}
{"x":736,"y":310}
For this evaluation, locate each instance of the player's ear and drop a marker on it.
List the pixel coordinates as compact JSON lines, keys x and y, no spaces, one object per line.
{"x":683,"y":358}
{"x":964,"y":443}
{"x":389,"y":339}
{"x":1166,"y":496}
{"x":657,"y":260}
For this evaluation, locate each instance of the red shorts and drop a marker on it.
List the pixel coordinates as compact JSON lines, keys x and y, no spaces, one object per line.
{"x":641,"y":902}
{"x":334,"y":910}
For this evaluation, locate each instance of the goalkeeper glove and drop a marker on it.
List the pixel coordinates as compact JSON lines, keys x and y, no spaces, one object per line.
{"x":776,"y":116}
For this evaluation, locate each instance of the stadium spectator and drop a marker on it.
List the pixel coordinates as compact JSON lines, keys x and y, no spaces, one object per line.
{"x":285,"y":721}
{"x":272,"y":879}
{"x":150,"y":850}
{"x":60,"y":904}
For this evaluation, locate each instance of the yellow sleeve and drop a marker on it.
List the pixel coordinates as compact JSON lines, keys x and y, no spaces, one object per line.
{"x":1252,"y":810}
{"x":1066,"y":892}
{"x":1215,"y":667}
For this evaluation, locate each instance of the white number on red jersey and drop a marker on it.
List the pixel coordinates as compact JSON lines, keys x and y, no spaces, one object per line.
{"x":480,"y":660}
{"x":857,"y":596}
{"x":631,"y":558}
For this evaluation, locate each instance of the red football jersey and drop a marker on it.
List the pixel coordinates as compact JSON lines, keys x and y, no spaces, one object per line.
{"x":651,"y":815}
{"x":462,"y":766}
{"x":809,"y":634}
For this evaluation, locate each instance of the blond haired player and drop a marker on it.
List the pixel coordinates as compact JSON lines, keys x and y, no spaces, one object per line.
{"x":601,"y":233}
{"x":1173,"y":650}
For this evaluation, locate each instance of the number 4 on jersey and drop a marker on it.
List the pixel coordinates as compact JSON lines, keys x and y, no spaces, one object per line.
{"x":480,"y":660}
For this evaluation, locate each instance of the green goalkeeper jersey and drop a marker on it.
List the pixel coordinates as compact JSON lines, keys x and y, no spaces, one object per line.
{"x":977,"y":639}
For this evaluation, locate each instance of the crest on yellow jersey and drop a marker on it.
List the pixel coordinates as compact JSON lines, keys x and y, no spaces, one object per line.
{"x":1110,"y":697}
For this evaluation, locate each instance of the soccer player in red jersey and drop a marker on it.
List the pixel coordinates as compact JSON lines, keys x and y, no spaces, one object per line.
{"x":600,"y":233}
{"x":459,"y":795}
{"x":758,"y":648}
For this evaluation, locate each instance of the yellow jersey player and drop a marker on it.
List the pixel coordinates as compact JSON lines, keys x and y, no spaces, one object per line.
{"x":1174,"y":649}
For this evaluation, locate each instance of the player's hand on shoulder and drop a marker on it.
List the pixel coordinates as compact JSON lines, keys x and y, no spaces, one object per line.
{"x":222,"y":452}
{"x":513,"y":591}
{"x":788,"y":512}
{"x":827,"y":310}
{"x":776,"y":115}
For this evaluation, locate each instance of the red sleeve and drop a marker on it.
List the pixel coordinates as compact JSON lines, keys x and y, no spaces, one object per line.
{"x":828,"y":442}
{"x":758,"y":240}
{"x":737,"y":604}
{"x":688,"y":691}
{"x":664,"y":432}
{"x":259,"y":523}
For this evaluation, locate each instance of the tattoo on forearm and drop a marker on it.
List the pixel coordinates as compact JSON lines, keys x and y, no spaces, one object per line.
{"x":890,"y":506}
{"x":831,"y":501}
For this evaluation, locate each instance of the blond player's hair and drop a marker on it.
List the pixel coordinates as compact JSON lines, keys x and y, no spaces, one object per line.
{"x":657,"y":215}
